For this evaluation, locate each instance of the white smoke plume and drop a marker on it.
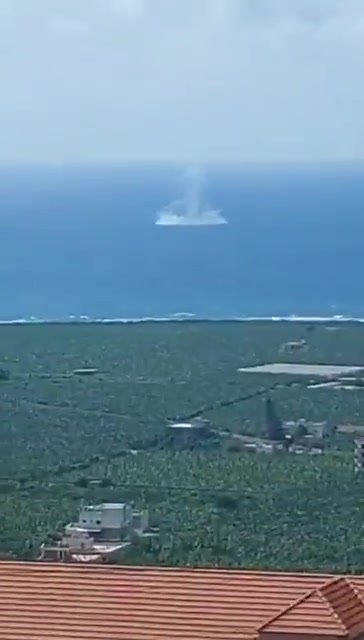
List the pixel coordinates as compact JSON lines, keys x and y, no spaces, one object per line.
{"x":191,"y":210}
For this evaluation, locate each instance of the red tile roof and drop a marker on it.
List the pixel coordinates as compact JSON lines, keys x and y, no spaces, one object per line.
{"x":336,"y":608}
{"x":347,"y":604}
{"x":105,"y":602}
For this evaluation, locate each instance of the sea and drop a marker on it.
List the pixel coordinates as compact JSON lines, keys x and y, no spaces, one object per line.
{"x":82,"y":243}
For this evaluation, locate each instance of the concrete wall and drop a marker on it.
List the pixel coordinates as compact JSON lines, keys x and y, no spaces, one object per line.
{"x":111,"y":534}
{"x":90,"y":518}
{"x":114,"y":516}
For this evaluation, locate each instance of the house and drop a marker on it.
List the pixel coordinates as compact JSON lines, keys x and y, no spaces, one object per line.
{"x":101,"y":534}
{"x":110,"y":602}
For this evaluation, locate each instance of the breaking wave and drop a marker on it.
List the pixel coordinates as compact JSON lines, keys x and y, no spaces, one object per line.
{"x":181,"y":317}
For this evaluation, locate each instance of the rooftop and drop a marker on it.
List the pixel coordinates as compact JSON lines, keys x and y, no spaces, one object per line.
{"x":187,"y":425}
{"x":104,"y":506}
{"x":106,"y":602}
{"x":325,"y":370}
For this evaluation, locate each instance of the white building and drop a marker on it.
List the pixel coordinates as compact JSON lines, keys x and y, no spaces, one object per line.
{"x":102,"y":531}
{"x":106,"y":521}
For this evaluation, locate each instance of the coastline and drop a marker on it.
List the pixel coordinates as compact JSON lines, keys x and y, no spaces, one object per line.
{"x":182,"y":317}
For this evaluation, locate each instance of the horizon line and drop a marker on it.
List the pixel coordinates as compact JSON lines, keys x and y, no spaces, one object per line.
{"x":59,"y":164}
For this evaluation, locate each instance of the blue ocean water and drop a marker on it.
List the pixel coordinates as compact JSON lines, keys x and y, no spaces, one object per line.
{"x":83,"y":241}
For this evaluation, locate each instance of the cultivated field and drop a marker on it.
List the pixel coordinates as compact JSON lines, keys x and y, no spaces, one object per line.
{"x":59,"y":431}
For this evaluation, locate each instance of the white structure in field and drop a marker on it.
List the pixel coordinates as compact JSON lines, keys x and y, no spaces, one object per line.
{"x":76,"y":538}
{"x":109,"y":520}
{"x":190,"y":432}
{"x":112,"y":520}
{"x":102,"y":531}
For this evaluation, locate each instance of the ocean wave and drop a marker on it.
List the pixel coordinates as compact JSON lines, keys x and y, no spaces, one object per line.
{"x":294,"y":318}
{"x":180,"y":317}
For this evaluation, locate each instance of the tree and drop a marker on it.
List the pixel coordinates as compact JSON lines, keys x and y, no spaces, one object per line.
{"x":82,"y":482}
{"x":274,"y":423}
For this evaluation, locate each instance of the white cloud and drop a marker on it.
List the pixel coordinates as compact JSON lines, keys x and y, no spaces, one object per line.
{"x":182,"y":79}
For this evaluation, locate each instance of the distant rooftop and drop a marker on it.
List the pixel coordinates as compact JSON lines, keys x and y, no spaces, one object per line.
{"x":303,"y":369}
{"x":194,"y":423}
{"x":185,"y":425}
{"x":104,"y":505}
{"x":112,"y":505}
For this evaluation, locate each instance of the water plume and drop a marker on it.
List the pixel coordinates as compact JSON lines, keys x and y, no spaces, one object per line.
{"x":191,"y":210}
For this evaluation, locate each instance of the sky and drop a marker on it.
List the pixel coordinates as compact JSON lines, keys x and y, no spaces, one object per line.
{"x":181,"y":80}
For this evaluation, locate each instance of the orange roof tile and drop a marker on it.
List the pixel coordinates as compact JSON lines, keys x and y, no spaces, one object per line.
{"x":309,"y":615}
{"x":106,"y":602}
{"x":335,"y":608}
{"x":347,"y":604}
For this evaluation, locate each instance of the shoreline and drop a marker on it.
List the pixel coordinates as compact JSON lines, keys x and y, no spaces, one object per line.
{"x":184,"y":318}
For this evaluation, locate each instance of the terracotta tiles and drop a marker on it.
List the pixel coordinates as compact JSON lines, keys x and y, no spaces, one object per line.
{"x":335,"y":609}
{"x":309,"y":615}
{"x":347,"y":603}
{"x":73,"y":602}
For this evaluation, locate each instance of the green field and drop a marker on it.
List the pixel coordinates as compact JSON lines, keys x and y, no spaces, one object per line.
{"x":60,"y":431}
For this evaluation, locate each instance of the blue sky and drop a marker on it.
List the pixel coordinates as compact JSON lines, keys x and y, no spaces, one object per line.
{"x":185,"y":80}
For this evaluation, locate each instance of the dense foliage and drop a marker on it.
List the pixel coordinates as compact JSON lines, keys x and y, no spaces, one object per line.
{"x":59,"y":431}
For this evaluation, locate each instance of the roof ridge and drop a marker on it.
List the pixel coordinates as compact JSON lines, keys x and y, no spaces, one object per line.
{"x":350,"y":590}
{"x":303,"y":598}
{"x":320,"y":592}
{"x":282,"y":612}
{"x":355,"y":589}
